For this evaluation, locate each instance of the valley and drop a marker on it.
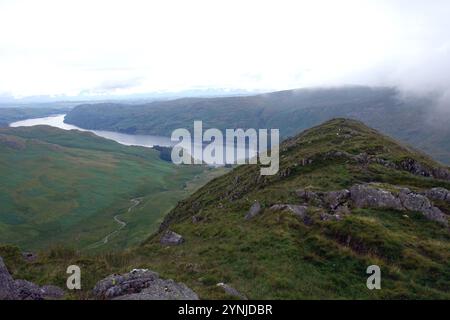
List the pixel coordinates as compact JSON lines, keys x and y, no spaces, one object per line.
{"x":64,"y":188}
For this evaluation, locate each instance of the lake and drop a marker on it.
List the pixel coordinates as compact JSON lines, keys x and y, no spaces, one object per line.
{"x":122,"y":138}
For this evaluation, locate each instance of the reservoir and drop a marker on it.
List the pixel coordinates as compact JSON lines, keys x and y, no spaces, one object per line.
{"x":122,"y":138}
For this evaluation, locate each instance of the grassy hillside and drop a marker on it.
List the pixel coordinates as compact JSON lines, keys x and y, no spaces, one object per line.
{"x":412,"y":120}
{"x":66,"y":187}
{"x":277,"y":254}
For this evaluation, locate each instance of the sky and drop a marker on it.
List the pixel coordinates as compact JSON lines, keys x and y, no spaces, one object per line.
{"x":83,"y":48}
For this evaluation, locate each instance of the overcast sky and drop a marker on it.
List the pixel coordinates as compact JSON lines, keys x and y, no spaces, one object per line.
{"x":120,"y":47}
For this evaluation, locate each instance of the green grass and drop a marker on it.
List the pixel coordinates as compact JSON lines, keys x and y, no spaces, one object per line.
{"x":65,"y":188}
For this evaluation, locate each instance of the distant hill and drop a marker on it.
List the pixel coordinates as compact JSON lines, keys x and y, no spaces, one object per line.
{"x":412,"y":120}
{"x":8,"y":115}
{"x":65,"y":188}
{"x":346,"y":197}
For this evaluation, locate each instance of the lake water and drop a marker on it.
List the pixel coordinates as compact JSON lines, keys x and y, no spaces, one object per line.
{"x":122,"y":138}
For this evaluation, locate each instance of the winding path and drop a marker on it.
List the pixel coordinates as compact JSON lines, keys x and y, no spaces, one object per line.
{"x":122,"y":224}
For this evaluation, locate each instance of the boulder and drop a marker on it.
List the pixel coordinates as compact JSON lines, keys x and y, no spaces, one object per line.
{"x":27,"y":290}
{"x":310,"y":197}
{"x":255,"y":209}
{"x":335,"y":199}
{"x":52,"y":292}
{"x":366,"y":196}
{"x":416,"y":202}
{"x":330,"y":217}
{"x":232,"y":291}
{"x":171,"y":238}
{"x":299,"y":211}
{"x":142,"y":284}
{"x":439,"y":194}
{"x":7,"y":287}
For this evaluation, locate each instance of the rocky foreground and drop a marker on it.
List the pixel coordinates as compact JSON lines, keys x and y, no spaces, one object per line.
{"x":11,"y":289}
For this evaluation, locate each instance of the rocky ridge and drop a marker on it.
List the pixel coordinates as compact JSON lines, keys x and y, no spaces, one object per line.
{"x":332,"y":205}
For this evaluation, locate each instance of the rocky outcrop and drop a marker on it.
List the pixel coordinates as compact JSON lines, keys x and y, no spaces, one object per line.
{"x":338,"y":203}
{"x":366,"y":196}
{"x":416,"y":202}
{"x":438,"y":194}
{"x":417,"y":168}
{"x":26,"y":290}
{"x":336,"y":199}
{"x":411,"y":165}
{"x":299,"y":211}
{"x":7,"y":286}
{"x":11,"y":289}
{"x":171,"y":238}
{"x":255,"y":209}
{"x":232,"y":291}
{"x":142,"y":284}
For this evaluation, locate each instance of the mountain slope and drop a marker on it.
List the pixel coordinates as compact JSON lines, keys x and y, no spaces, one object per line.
{"x":412,"y":120}
{"x":286,"y":251}
{"x":279,"y":255}
{"x":66,"y":187}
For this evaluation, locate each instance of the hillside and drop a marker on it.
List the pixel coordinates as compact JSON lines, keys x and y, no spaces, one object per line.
{"x":346,"y":197}
{"x":73,"y":189}
{"x":412,"y":120}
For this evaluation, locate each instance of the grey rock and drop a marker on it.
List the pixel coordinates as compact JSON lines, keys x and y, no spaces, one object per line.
{"x":330,"y":217}
{"x":365,"y":196}
{"x":299,"y":211}
{"x":334,"y":199}
{"x":197,"y":219}
{"x":11,"y":289}
{"x":142,"y":285}
{"x":310,"y":197}
{"x":27,"y":290}
{"x":415,"y":167}
{"x":416,"y":202}
{"x":232,"y":291}
{"x":441,"y":173}
{"x":171,"y":238}
{"x":7,"y":287}
{"x":255,"y":209}
{"x":440,"y":194}
{"x":52,"y":292}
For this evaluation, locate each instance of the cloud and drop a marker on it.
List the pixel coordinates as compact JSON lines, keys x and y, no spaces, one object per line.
{"x":104,"y":47}
{"x":113,"y":86}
